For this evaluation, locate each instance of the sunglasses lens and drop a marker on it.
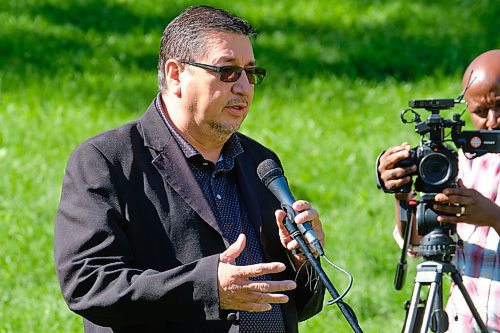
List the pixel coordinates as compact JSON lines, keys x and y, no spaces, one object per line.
{"x":230,"y":74}
{"x":255,"y":74}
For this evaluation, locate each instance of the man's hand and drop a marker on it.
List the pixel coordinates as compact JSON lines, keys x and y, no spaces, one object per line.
{"x":238,"y":292}
{"x":467,"y":206}
{"x":306,"y":213}
{"x":394,"y":177}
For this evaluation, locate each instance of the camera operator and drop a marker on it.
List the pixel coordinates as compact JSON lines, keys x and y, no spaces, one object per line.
{"x":474,"y":205}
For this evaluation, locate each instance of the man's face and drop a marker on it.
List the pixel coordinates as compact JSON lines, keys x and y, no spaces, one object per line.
{"x":216,"y":109}
{"x":483,"y":102}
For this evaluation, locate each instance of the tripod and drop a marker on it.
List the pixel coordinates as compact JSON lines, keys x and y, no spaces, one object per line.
{"x":430,"y":273}
{"x":436,"y":247}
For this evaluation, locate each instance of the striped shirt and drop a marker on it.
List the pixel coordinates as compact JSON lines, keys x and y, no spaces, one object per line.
{"x":478,"y":261}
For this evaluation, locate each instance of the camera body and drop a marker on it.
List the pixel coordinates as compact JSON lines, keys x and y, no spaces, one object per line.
{"x":437,"y":167}
{"x":437,"y":162}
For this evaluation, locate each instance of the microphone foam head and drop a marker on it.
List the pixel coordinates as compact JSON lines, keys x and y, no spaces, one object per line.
{"x":268,"y":170}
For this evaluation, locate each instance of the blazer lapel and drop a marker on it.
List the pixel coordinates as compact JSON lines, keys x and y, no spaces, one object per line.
{"x":173,"y":167}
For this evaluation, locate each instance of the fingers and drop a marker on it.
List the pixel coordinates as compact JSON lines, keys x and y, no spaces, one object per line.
{"x":259,"y":269}
{"x":262,"y":298}
{"x":234,"y":250}
{"x":453,"y":202}
{"x":390,"y":183}
{"x":450,"y":219}
{"x":283,"y":232}
{"x":268,"y":286}
{"x":259,"y":302}
{"x":305,"y":214}
{"x":309,"y":214}
{"x":454,"y":199}
{"x":301,"y":205}
{"x":394,"y":177}
{"x":456,"y":195}
{"x":237,"y":291}
{"x":455,"y":210}
{"x":393,"y":155}
{"x":457,"y":203}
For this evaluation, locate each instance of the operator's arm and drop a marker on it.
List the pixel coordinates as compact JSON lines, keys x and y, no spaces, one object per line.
{"x":391,"y":177}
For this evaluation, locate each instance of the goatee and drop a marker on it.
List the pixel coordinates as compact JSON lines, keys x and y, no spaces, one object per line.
{"x":223,"y":131}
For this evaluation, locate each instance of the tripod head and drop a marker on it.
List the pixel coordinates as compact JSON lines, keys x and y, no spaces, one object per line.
{"x":436,"y":244}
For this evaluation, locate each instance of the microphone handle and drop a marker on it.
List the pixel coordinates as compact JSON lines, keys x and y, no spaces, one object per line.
{"x":304,"y":228}
{"x":280,"y":189}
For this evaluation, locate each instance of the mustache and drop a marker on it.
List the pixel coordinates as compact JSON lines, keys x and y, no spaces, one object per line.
{"x":238,"y":101}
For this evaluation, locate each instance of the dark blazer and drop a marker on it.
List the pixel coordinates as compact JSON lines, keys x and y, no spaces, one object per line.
{"x":137,"y":244}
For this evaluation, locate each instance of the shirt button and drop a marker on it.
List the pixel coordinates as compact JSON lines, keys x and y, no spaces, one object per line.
{"x":218,"y":196}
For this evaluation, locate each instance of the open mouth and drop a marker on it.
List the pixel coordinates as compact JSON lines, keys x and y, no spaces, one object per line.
{"x":237,"y":107}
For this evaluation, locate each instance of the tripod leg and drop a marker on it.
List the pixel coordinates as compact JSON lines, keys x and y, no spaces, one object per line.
{"x":428,"y":273}
{"x":412,"y":311}
{"x":440,"y":321}
{"x":458,"y":281}
{"x":426,"y":321}
{"x":434,"y":309}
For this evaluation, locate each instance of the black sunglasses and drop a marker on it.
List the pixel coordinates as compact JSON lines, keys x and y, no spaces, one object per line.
{"x":232,"y":73}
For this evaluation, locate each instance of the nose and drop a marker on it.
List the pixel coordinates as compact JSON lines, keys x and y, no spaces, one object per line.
{"x":242,"y":86}
{"x":493,"y":118}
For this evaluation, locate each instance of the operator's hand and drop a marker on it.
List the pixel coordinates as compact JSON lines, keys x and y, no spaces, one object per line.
{"x":468,"y":206}
{"x":238,"y":292}
{"x":395,"y":177}
{"x":306,"y":213}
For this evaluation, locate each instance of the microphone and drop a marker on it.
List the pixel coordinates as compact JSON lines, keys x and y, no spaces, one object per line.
{"x":272,"y":177}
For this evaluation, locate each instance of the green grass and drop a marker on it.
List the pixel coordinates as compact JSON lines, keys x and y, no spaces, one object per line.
{"x":339,"y":75}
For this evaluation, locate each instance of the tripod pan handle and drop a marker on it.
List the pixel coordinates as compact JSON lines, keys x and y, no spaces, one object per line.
{"x":400,"y":276}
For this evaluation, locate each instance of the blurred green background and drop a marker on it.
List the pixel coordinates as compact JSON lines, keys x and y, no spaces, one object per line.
{"x":339,"y":74}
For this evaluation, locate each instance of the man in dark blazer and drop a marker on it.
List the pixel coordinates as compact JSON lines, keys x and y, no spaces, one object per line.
{"x":163,"y":224}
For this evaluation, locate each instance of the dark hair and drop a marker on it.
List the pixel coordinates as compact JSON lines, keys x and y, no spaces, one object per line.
{"x":184,"y":37}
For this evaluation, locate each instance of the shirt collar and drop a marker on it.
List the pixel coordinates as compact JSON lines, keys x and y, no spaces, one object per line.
{"x":231,"y":149}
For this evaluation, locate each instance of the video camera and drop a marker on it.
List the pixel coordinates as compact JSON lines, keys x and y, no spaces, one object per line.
{"x":437,"y":169}
{"x":437,"y":163}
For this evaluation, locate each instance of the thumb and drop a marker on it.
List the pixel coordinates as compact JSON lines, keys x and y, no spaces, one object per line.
{"x":460,"y":183}
{"x":234,"y":250}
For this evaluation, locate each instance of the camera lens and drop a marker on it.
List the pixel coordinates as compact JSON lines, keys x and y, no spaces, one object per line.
{"x":435,"y":169}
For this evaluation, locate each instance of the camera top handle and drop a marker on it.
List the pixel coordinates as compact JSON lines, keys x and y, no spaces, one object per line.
{"x":432,"y":105}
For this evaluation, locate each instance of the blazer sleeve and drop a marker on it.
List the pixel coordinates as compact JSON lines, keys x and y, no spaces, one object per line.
{"x":309,"y":294}
{"x":95,"y":263}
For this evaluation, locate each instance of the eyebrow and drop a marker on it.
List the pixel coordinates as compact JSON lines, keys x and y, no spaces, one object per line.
{"x":251,"y":63}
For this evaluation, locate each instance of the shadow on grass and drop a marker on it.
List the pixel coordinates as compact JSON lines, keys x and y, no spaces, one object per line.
{"x":102,"y":17}
{"x":371,"y":52}
{"x":397,"y":48}
{"x":50,"y":52}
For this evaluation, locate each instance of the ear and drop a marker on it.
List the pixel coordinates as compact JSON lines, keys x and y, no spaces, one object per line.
{"x":173,"y":69}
